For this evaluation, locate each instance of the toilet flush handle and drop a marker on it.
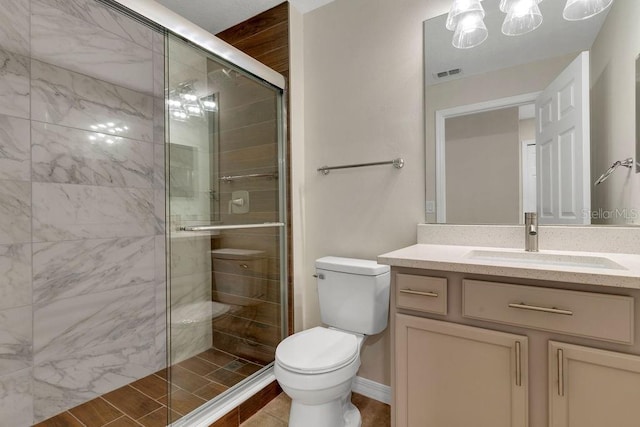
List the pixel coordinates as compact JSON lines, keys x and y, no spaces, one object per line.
{"x":319,"y":276}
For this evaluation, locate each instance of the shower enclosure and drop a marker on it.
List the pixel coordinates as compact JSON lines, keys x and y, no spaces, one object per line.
{"x":226,"y":222}
{"x":142,"y":238}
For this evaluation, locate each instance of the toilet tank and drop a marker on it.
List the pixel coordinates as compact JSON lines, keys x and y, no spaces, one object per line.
{"x":354,"y":294}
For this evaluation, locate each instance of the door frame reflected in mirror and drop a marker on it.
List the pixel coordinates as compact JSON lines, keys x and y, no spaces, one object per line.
{"x":463,"y":110}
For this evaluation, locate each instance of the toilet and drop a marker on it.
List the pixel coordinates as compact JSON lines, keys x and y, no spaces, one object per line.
{"x":316,"y":367}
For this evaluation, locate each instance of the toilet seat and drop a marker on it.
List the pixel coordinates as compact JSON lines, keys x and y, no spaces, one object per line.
{"x":317,"y":350}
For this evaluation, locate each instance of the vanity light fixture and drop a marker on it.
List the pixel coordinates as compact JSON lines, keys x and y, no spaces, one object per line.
{"x":523,"y":16}
{"x":466,"y":18}
{"x":576,"y":10}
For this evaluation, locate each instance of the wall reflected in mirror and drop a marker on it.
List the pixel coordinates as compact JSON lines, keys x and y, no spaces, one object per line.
{"x":488,"y":150}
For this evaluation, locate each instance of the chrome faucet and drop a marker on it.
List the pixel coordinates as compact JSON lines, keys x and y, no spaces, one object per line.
{"x":531,"y":232}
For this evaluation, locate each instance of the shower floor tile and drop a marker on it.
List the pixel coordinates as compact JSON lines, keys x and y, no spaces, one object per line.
{"x":145,"y":401}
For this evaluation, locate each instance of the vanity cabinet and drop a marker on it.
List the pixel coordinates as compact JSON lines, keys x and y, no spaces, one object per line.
{"x":489,"y":351}
{"x":589,"y":387}
{"x":450,"y":375}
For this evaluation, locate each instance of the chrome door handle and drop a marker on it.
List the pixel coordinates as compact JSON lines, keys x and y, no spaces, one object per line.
{"x":423,"y":294}
{"x":553,"y":310}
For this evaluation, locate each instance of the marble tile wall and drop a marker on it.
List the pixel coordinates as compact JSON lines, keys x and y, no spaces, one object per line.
{"x":82,"y":205}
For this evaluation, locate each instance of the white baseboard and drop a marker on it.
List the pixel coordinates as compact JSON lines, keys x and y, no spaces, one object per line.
{"x":372,"y":389}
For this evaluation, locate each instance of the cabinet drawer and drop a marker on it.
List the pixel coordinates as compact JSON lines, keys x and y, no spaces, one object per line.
{"x":421,"y":293}
{"x":586,"y":314}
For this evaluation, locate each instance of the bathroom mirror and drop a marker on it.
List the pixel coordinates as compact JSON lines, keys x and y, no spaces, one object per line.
{"x":530,"y":122}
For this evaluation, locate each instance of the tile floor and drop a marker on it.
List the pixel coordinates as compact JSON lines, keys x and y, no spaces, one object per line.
{"x":276,"y":413}
{"x":145,"y":402}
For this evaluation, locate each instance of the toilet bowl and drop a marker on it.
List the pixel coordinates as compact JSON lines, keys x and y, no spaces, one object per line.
{"x":319,"y":379}
{"x":316,"y":367}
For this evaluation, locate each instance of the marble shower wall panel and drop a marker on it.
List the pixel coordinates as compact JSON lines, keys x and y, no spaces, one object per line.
{"x":15,"y":271}
{"x":14,"y":26}
{"x":65,"y":155}
{"x":88,"y":345}
{"x":14,"y":149}
{"x":15,"y":339}
{"x":14,"y":84}
{"x":16,"y":398}
{"x":86,"y":37}
{"x":68,"y":212}
{"x":15,"y":212}
{"x":82,"y":205}
{"x":72,"y":268}
{"x":75,"y":100}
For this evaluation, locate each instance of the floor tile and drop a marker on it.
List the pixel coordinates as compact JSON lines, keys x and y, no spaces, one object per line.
{"x":225,"y":377}
{"x":158,"y":418}
{"x":262,"y":419}
{"x":210,"y":390}
{"x":374,"y":413}
{"x":64,"y":419}
{"x":131,"y":402}
{"x":217,"y":357}
{"x":152,"y":385}
{"x":248,"y":368}
{"x":199,"y":366}
{"x":279,"y":407}
{"x":96,"y":413}
{"x":123,"y":422}
{"x":186,"y":379}
{"x":184,"y":402}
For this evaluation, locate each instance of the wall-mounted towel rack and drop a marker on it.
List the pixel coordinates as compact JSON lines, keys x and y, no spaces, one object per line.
{"x":232,"y":178}
{"x":397,"y":163}
{"x":627,"y":163}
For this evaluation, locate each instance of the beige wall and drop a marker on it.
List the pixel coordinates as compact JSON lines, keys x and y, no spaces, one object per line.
{"x":613,"y":77}
{"x":527,"y":129}
{"x":482,"y":153}
{"x":363,"y":101}
{"x":508,"y":82}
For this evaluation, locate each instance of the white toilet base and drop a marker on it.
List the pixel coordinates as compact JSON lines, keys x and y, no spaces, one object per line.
{"x":336,"y":413}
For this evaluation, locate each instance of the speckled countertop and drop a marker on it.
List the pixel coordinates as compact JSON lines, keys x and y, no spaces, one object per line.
{"x":603,"y":269}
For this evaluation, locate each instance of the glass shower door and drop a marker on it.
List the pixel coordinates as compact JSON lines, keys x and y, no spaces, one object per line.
{"x":226,"y":293}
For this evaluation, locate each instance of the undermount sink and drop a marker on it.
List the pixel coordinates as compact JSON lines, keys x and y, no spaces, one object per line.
{"x":544,"y":259}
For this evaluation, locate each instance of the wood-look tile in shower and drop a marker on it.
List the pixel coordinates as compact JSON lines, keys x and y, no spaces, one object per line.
{"x":96,"y":413}
{"x":199,"y":366}
{"x":132,"y":402}
{"x":64,"y":419}
{"x":153,"y":386}
{"x":123,"y":422}
{"x":225,"y":377}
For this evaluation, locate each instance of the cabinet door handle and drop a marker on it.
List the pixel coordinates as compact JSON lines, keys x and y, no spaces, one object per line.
{"x":518,"y":365}
{"x":424,"y":294}
{"x":560,"y":357}
{"x":553,"y":310}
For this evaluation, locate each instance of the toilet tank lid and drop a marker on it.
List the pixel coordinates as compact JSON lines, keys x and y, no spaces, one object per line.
{"x":231,"y":253}
{"x":351,"y":265}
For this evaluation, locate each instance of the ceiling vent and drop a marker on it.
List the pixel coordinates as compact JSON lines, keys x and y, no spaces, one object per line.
{"x":443,"y":74}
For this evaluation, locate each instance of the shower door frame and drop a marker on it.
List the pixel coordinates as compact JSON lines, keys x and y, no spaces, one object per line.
{"x":170,"y":23}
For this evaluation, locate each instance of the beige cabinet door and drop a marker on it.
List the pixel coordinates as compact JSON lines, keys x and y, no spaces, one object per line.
{"x":592,"y":388}
{"x":450,"y":375}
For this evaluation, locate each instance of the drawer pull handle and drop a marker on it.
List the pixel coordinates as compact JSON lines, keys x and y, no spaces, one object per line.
{"x":518,"y":364}
{"x":560,"y":357}
{"x":245,"y":266}
{"x":424,"y":294}
{"x":523,"y":306}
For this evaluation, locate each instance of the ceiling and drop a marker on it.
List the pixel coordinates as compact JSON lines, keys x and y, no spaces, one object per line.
{"x":218,"y":15}
{"x":555,"y":37}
